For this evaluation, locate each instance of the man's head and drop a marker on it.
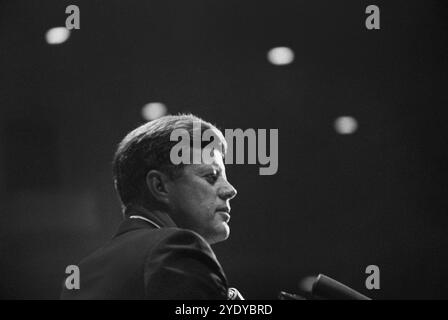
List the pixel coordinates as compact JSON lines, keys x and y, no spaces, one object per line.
{"x":195,"y":196}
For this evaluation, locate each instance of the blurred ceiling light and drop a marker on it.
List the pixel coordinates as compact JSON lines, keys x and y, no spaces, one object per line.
{"x":153,"y":110}
{"x":280,"y":56}
{"x":57,"y":35}
{"x":345,"y":125}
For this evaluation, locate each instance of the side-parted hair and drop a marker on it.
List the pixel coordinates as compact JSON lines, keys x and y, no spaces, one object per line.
{"x":148,"y":148}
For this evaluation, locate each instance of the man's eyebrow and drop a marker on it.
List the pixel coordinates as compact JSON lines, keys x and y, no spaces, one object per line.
{"x":206,"y":167}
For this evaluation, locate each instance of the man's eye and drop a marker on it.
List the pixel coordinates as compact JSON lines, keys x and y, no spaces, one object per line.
{"x":212,"y":177}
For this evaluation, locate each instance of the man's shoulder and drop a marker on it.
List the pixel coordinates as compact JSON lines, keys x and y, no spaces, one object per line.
{"x":151,"y":263}
{"x":163,"y":236}
{"x":147,"y":242}
{"x":151,"y":242}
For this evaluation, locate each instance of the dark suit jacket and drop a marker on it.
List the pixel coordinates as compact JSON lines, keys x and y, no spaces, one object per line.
{"x":144,"y":262}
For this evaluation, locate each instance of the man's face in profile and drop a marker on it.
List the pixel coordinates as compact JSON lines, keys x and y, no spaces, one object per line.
{"x":200,"y":197}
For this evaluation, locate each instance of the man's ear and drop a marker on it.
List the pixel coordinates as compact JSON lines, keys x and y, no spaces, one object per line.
{"x":157,"y":184}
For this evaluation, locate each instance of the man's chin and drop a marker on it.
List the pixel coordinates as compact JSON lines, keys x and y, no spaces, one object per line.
{"x":221,"y":234}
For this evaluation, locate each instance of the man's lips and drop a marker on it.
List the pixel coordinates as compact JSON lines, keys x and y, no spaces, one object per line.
{"x":225,"y":213}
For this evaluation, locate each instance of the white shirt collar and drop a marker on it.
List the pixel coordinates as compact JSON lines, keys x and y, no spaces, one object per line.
{"x":147,"y":220}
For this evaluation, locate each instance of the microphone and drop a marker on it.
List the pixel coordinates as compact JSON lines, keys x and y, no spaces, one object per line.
{"x":323,"y":287}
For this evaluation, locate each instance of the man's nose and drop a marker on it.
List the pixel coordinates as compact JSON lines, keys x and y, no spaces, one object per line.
{"x":227,"y":192}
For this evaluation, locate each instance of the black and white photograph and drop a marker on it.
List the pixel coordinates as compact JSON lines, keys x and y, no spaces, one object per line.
{"x":223,"y":150}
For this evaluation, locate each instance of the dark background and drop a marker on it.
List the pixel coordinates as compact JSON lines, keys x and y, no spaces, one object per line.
{"x":338,"y":202}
